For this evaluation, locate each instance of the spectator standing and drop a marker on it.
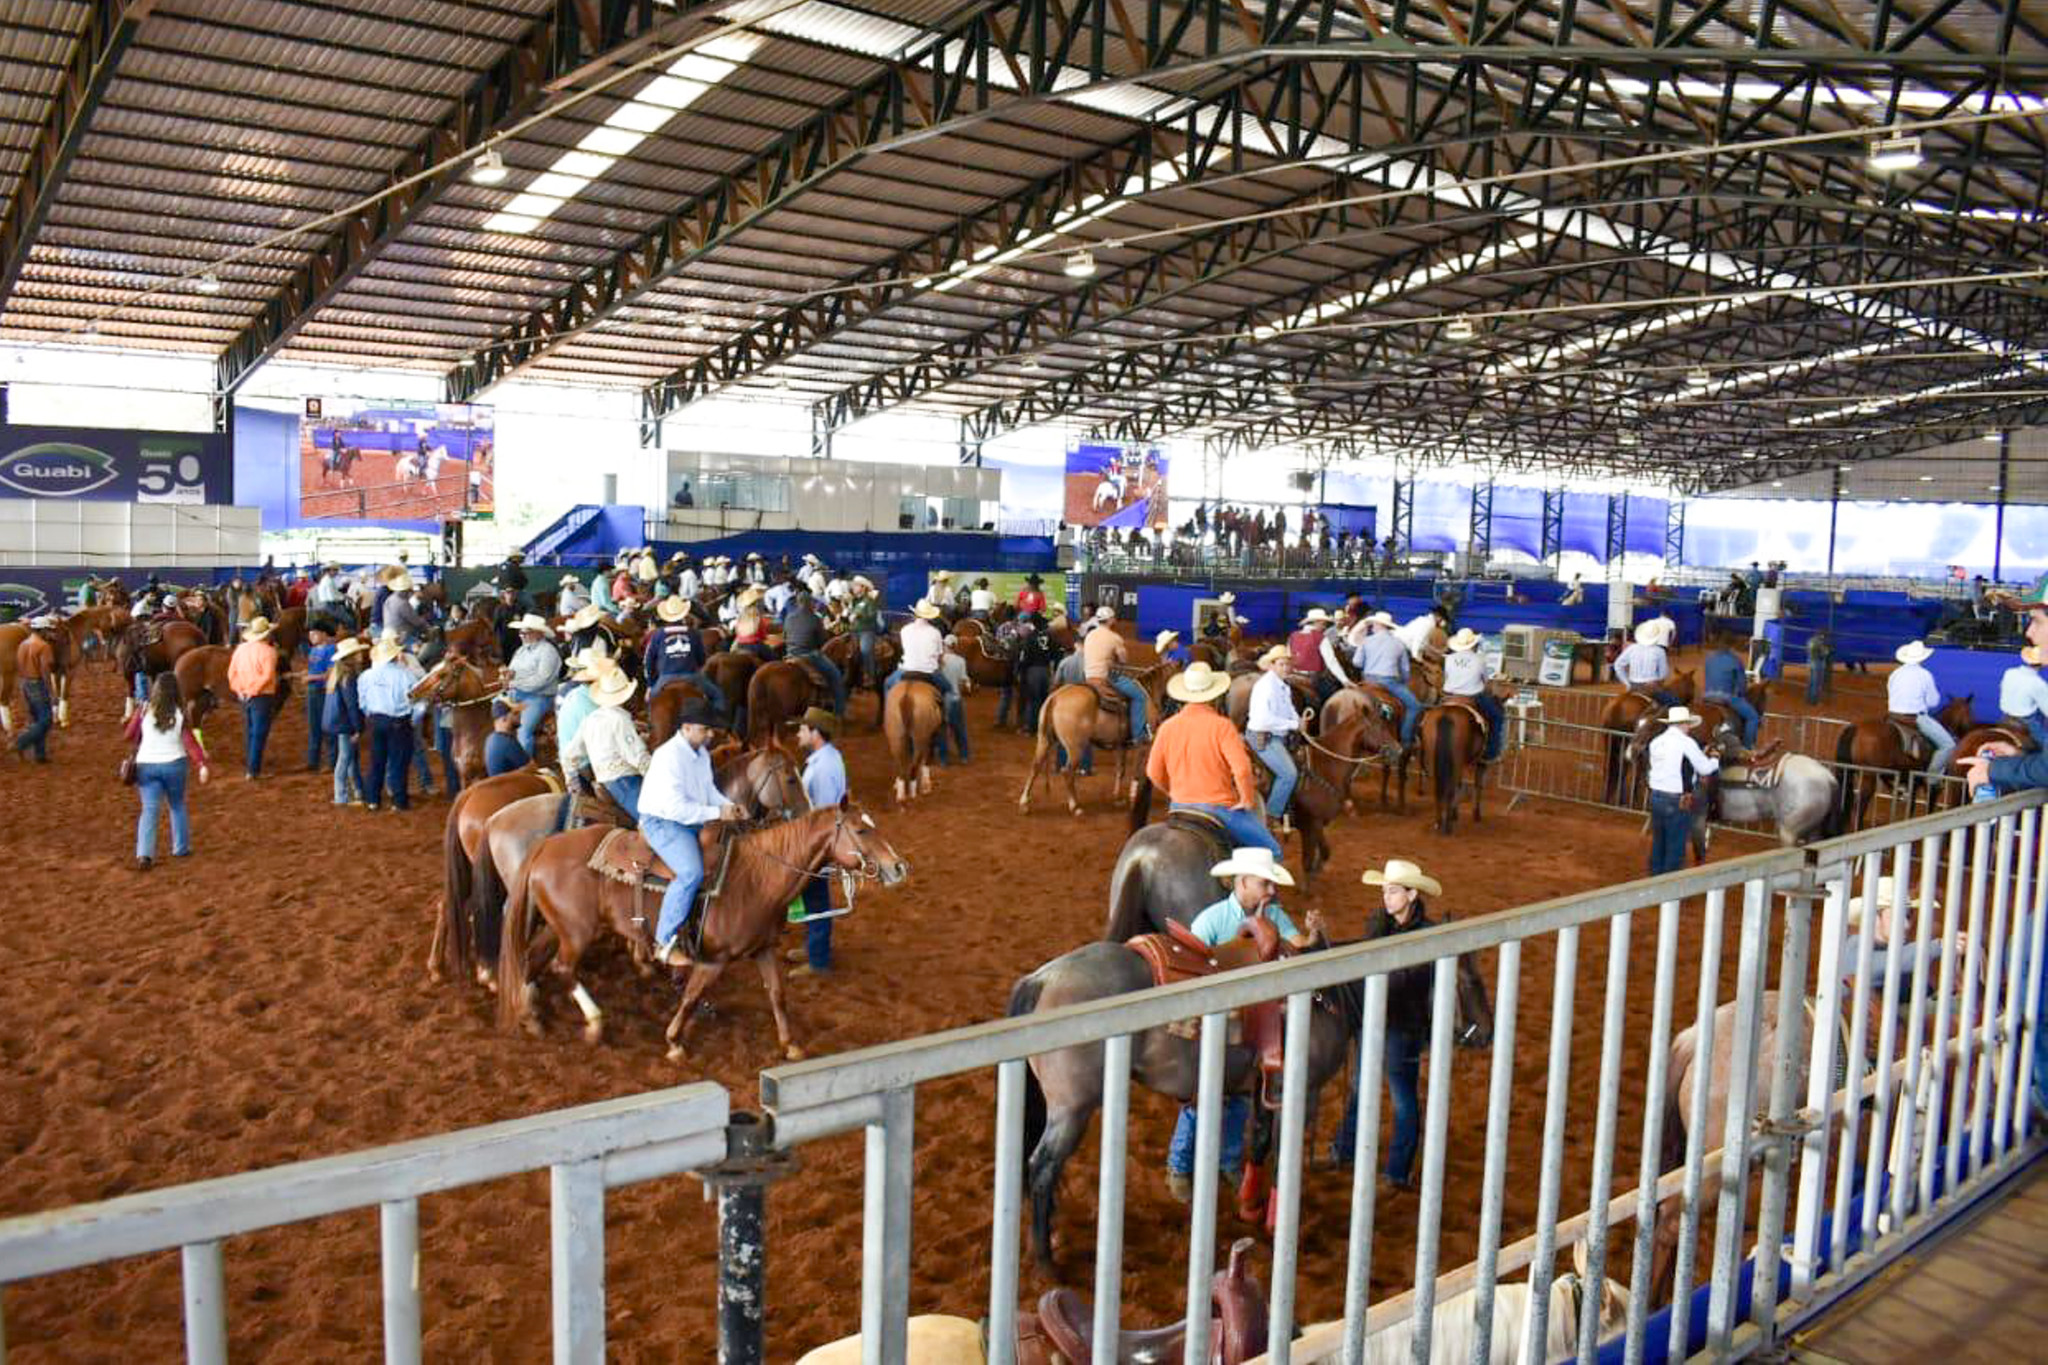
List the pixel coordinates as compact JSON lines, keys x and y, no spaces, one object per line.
{"x":825,"y":786}
{"x":320,"y":650}
{"x":165,"y":751}
{"x":252,"y":676}
{"x":35,"y":664}
{"x":385,"y":691}
{"x":341,"y":719}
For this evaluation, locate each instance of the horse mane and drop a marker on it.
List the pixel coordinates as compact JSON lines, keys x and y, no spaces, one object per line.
{"x":766,"y":852}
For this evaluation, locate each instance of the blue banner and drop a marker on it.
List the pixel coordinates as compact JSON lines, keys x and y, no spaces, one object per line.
{"x":1518,"y":519}
{"x":95,"y":464}
{"x":1585,"y":524}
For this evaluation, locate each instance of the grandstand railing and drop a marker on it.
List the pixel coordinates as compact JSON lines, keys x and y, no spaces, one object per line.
{"x":1948,"y":1111}
{"x":586,"y":1151}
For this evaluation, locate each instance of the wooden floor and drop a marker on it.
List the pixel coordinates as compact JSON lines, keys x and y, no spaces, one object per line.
{"x":1978,"y":1294}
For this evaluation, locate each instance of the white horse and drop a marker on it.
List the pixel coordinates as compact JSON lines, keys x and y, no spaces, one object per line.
{"x":1107,"y":494}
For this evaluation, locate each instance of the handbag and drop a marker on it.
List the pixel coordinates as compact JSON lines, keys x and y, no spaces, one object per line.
{"x":128,"y":771}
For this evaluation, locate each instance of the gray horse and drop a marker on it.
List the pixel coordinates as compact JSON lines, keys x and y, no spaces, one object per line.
{"x":1801,"y":802}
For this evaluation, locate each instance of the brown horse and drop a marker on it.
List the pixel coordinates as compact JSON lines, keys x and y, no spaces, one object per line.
{"x":475,"y":639}
{"x":732,"y":670}
{"x":1876,"y":743}
{"x":777,"y":694}
{"x":461,"y":686}
{"x":985,"y":666}
{"x":911,"y":715}
{"x":767,"y":868}
{"x":1074,"y":717}
{"x":1453,"y":743}
{"x":93,"y":630}
{"x":664,"y":705}
{"x":148,"y":648}
{"x":844,"y":650}
{"x":1363,"y":699}
{"x":1324,"y":791}
{"x":1621,"y":716}
{"x":458,"y":941}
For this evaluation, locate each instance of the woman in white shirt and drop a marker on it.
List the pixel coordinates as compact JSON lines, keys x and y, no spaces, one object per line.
{"x":163,"y":748}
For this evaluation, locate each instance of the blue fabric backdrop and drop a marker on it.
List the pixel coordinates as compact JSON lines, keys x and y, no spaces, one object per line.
{"x":1518,"y":519}
{"x":1585,"y":524}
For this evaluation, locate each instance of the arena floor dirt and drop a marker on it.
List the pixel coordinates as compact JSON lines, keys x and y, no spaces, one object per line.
{"x":266,"y":1002}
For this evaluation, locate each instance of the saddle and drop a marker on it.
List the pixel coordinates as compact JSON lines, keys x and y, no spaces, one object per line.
{"x":1470,"y":708}
{"x":1108,"y":698}
{"x":1062,"y":1330}
{"x":1916,"y":745}
{"x":624,"y":856}
{"x":1177,"y":955}
{"x":2014,"y":731}
{"x":814,"y":673}
{"x":1206,"y":825}
{"x":1759,"y":769}
{"x":580,"y":810}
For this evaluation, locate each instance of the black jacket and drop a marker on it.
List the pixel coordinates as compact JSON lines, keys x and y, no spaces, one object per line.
{"x":1409,"y":990}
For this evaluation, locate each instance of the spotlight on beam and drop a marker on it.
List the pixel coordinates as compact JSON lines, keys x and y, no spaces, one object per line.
{"x":1889,"y":155}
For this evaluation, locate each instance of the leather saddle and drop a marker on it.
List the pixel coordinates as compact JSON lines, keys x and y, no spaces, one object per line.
{"x":1471,"y":708}
{"x":1108,"y":698}
{"x":1759,"y":769}
{"x":1177,"y":955}
{"x":1062,"y":1331}
{"x":1209,"y":827}
{"x":814,"y":673}
{"x":624,"y":856}
{"x":1916,"y":745}
{"x":2014,"y":731}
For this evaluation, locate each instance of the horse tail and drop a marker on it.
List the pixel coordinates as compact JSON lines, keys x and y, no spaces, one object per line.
{"x":1444,"y":763}
{"x":1845,"y":783}
{"x":1141,"y":803}
{"x":1023,"y":1001}
{"x":486,"y":900}
{"x":1127,"y":916}
{"x":512,"y":949}
{"x":458,"y":947}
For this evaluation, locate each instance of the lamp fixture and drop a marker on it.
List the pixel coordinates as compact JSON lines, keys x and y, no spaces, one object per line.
{"x":1927,"y":478}
{"x":1080,"y":265}
{"x":1892,"y":154}
{"x":1629,"y":438}
{"x":1994,"y":436}
{"x":489,"y":169}
{"x":1699,"y":378}
{"x":469,"y":359}
{"x":209,"y":283}
{"x":1460,"y":329}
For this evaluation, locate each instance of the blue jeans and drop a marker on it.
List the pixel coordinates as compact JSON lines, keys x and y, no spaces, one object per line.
{"x":832,"y":675}
{"x":390,"y":753}
{"x":1271,"y":750}
{"x":1496,"y":721}
{"x":161,"y":785}
{"x":818,"y":933}
{"x":956,"y":717}
{"x":626,"y":791}
{"x":1411,"y":708}
{"x":1752,"y":721}
{"x":318,"y":743}
{"x":866,"y":640}
{"x":1670,"y":827}
{"x":533,"y":709}
{"x":1246,"y":829}
{"x":422,"y":761}
{"x":1136,"y":696}
{"x":348,"y":770}
{"x":677,"y":845}
{"x":444,"y":740}
{"x":1944,"y":743}
{"x":1402,"y":1066}
{"x":257,"y":713}
{"x":1180,"y":1153}
{"x":35,"y":736}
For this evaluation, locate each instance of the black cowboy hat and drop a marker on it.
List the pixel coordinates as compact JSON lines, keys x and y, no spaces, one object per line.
{"x":1033,"y":579}
{"x":694,"y":711}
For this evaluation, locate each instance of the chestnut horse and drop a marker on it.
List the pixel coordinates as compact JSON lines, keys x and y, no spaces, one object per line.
{"x":1620,"y":717}
{"x":461,"y":686}
{"x":1453,"y":742}
{"x":1875,"y":743}
{"x":1073,"y":718}
{"x":1324,"y":791}
{"x":844,"y":650}
{"x":768,"y":866}
{"x":457,"y":935}
{"x":911,"y":715}
{"x":664,"y":705}
{"x":202,"y":675}
{"x":136,"y":653}
{"x":777,"y":694}
{"x":985,"y":666}
{"x":1370,"y":699}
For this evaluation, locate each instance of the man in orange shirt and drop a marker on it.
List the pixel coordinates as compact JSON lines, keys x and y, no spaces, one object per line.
{"x":252,"y":676}
{"x":1200,"y":762}
{"x":35,"y":663}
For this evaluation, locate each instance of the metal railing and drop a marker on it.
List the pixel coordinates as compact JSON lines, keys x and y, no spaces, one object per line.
{"x":1787,"y":1118}
{"x":586,"y":1151}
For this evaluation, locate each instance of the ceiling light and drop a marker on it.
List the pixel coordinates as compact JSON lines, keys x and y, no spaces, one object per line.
{"x":1890,"y":154}
{"x":209,"y":283}
{"x":1699,"y":378}
{"x":489,"y":169}
{"x":924,"y":282}
{"x":1927,"y":478}
{"x":1460,"y":329}
{"x":1842,"y":468}
{"x":1994,"y":436}
{"x":1993,"y":487}
{"x":1080,"y":265}
{"x":1629,"y":438}
{"x":1777,"y":483}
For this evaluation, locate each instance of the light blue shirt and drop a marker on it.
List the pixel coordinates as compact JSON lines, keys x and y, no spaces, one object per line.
{"x":384,"y":690}
{"x":1642,"y":664}
{"x":570,"y":713}
{"x":2022,"y":692}
{"x":1221,"y":922}
{"x":679,"y":785}
{"x":535,"y":667}
{"x":1382,"y":656}
{"x":825,"y":777}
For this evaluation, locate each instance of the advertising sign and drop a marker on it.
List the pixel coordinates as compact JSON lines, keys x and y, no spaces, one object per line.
{"x":1115,"y":485}
{"x":369,"y":460}
{"x":99,"y":465}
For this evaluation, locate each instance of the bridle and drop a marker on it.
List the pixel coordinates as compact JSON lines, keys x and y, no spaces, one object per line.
{"x":765,"y":783}
{"x":870,"y":869}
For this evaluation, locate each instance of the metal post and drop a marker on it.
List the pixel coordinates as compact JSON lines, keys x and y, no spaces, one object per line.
{"x":576,"y":1199}
{"x":1403,"y":529}
{"x":885,"y":1231}
{"x":1552,"y":545}
{"x":1674,"y":534}
{"x":1499,"y":1101}
{"x":1479,"y":535}
{"x":1372,"y":1052}
{"x":1989,"y":1076}
{"x":1903,"y":1179}
{"x":1998,"y":529}
{"x":1966,"y":1017}
{"x":2010,"y":1030}
{"x":206,"y":1305}
{"x":399,"y":1224}
{"x":1109,"y":1197}
{"x":1729,"y":1223}
{"x":1834,"y":519}
{"x":1611,"y":1026}
{"x":1652,"y":1161}
{"x":2030,"y":1004}
{"x":1944,"y":1016}
{"x":1287,"y":1223}
{"x":1002,"y":1275}
{"x":741,"y":1183}
{"x":1208,"y":1151}
{"x":1679,"y":1344}
{"x":1777,"y":1158}
{"x":1556,"y":1100}
{"x":1848,"y":1106}
{"x":1617,"y":528}
{"x":1887,"y":1034}
{"x":1435,"y":1120}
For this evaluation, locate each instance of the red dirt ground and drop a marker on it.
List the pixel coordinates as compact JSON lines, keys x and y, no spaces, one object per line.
{"x":265,"y":1002}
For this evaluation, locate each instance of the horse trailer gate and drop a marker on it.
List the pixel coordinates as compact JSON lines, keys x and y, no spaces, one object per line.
{"x":1847,"y":1134}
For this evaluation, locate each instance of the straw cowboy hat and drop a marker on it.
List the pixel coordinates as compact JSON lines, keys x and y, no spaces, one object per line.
{"x":1160,"y":640}
{"x":1196,"y":683}
{"x":349,"y":648}
{"x":672,"y":609}
{"x":1225,"y":599}
{"x":1316,"y":617}
{"x":533,"y":623}
{"x":1463,"y":642}
{"x":588,"y":665}
{"x":1912,"y":652}
{"x":943,"y":576}
{"x":1648,"y":634}
{"x":386,"y":651}
{"x":584,"y":618}
{"x":1678,"y":715}
{"x":390,"y":572}
{"x":1277,"y":654}
{"x":863,"y":582}
{"x":572,"y":578}
{"x":1401,"y":872}
{"x":400,"y":581}
{"x":1253,"y":862}
{"x":258,"y":628}
{"x":925,"y":611}
{"x":1382,"y":618}
{"x":750,"y":597}
{"x":612,"y":688}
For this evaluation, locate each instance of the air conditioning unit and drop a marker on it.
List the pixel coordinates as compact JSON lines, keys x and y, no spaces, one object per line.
{"x":1536,"y":654}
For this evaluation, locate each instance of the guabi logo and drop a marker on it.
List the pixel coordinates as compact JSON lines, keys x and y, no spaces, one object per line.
{"x":20,"y":599}
{"x":55,"y":469}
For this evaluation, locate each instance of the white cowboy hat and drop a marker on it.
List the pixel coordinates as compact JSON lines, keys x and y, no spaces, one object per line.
{"x":1382,"y":618}
{"x":572,"y":578}
{"x":588,"y":665}
{"x":1198,"y":682}
{"x":49,"y":622}
{"x":1105,"y":613}
{"x":1240,"y":620}
{"x":1277,"y":654}
{"x":1225,"y":599}
{"x":258,"y":628}
{"x":1648,"y":633}
{"x":1678,"y":715}
{"x":943,"y":576}
{"x":672,"y":609}
{"x":752,"y":555}
{"x":1159,"y":640}
{"x":1253,"y":862}
{"x":612,"y":688}
{"x":1912,"y":652}
{"x":1316,"y":617}
{"x":925,"y":611}
{"x":349,"y":648}
{"x":863,"y":581}
{"x":532,"y":623}
{"x":1401,"y":872}
{"x":1887,"y":898}
{"x":385,"y":651}
{"x":1464,"y":640}
{"x":584,"y":618}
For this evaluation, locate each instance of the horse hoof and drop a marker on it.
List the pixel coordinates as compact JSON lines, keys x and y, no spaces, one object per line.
{"x":792,"y":1053}
{"x":593,"y":1033}
{"x":677,"y":1055}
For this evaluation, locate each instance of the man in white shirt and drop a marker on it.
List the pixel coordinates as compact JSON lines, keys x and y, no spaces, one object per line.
{"x":1672,"y":753}
{"x":1912,"y":694}
{"x":531,"y":676}
{"x":678,"y":797}
{"x":815,"y":577}
{"x":981,"y":601}
{"x":1271,"y":719}
{"x":609,"y":742}
{"x":1383,"y":659}
{"x":924,"y":649}
{"x":776,"y":600}
{"x":1643,"y":666}
{"x":1466,"y":674}
{"x":839,"y":589}
{"x":688,"y":583}
{"x":570,"y":597}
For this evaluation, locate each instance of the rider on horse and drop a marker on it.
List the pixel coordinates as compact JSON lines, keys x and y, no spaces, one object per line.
{"x":924,"y":649}
{"x":678,"y":797}
{"x":1200,"y":761}
{"x":1100,"y":652}
{"x":1644,"y":665}
{"x":1383,"y":660}
{"x":1268,"y":724}
{"x":675,"y":653}
{"x":1726,"y":681}
{"x":610,"y":743}
{"x":1911,"y":695}
{"x":1166,"y":644}
{"x":1466,"y":675}
{"x":803,"y":641}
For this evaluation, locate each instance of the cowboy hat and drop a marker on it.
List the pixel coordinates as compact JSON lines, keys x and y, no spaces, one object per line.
{"x":1197,"y":683}
{"x":1912,"y":652}
{"x":1316,"y":617}
{"x":258,"y":628}
{"x":1225,"y":599}
{"x":385,"y":651}
{"x":400,"y":581}
{"x":1240,"y":620}
{"x":572,"y":578}
{"x":1382,"y":618}
{"x":1033,"y":579}
{"x":751,"y":596}
{"x":1464,"y":640}
{"x":753,"y":555}
{"x":1887,"y":898}
{"x":819,"y":719}
{"x":672,"y":609}
{"x":1105,"y":613}
{"x":1159,"y":640}
{"x":1401,"y":872}
{"x":47,"y":622}
{"x":612,"y":688}
{"x":349,"y":648}
{"x":1648,"y":633}
{"x":925,"y":611}
{"x":863,"y":581}
{"x":584,"y":618}
{"x":531,"y":622}
{"x":942,"y":576}
{"x":588,"y":665}
{"x":1678,"y":715}
{"x":389,"y":572}
{"x":1277,"y":654}
{"x":1253,"y":862}
{"x":694,"y":710}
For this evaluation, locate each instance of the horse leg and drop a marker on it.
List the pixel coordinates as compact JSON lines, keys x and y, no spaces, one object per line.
{"x":1063,"y":1134}
{"x":699,"y":981}
{"x":1478,"y":792}
{"x":770,"y":963}
{"x":1038,"y":761}
{"x":440,"y":940}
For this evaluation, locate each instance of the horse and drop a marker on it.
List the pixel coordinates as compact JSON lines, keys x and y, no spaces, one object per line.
{"x":733,"y":670}
{"x":12,"y":636}
{"x":1324,"y":791}
{"x":1368,"y":698}
{"x":93,"y":630}
{"x":475,"y":639}
{"x":664,"y":705}
{"x":1063,"y":1089}
{"x":147,"y":648}
{"x":463,"y":688}
{"x":911,"y":714}
{"x":777,"y":694}
{"x":986,"y":666}
{"x":1876,"y":743}
{"x":1622,"y":717}
{"x":766,"y":869}
{"x":1073,"y":717}
{"x":844,"y":650}
{"x":457,"y":933}
{"x":202,"y":676}
{"x":1453,"y":740}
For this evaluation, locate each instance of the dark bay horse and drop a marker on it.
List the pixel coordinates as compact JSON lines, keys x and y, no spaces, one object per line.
{"x":911,"y":715}
{"x":1073,"y":718}
{"x":1332,"y":760}
{"x":767,"y":868}
{"x":457,"y":934}
{"x":148,"y":648}
{"x":1875,"y":743}
{"x":1453,"y":743}
{"x":733,"y":670}
{"x":664,"y":705}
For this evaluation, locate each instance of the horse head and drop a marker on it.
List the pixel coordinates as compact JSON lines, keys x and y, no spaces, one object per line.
{"x":860,"y":848}
{"x":767,"y":783}
{"x":1647,"y":727}
{"x":1955,"y":714}
{"x":451,"y":682}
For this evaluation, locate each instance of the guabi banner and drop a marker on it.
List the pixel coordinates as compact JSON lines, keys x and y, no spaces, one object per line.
{"x":1115,"y":485}
{"x":94,"y":464}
